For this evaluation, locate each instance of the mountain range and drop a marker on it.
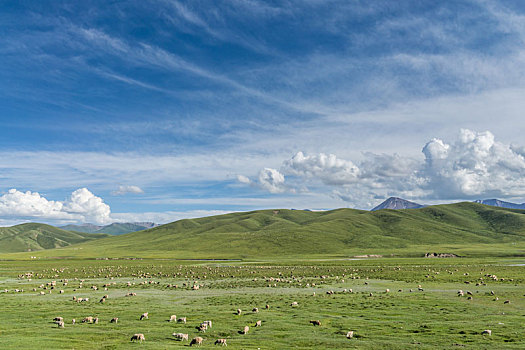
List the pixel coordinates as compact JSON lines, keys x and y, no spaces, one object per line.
{"x":399,"y":203}
{"x":117,"y":228}
{"x":282,"y":232}
{"x":500,"y":203}
{"x":340,"y":232}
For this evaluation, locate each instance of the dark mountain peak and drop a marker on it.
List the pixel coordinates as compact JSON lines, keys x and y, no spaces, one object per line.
{"x":397,"y":203}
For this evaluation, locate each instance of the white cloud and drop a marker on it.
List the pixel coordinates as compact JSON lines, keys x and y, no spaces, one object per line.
{"x":327,"y":168}
{"x":82,"y":206}
{"x":243,"y":179}
{"x":30,"y":204}
{"x":474,"y":166}
{"x":271,"y":180}
{"x":92,"y":208}
{"x":123,"y":190}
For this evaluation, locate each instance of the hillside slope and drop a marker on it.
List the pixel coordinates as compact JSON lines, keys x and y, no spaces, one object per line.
{"x":336,"y":232}
{"x":33,"y":237}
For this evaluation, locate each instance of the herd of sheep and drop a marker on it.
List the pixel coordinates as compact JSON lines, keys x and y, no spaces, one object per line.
{"x":205,"y":325}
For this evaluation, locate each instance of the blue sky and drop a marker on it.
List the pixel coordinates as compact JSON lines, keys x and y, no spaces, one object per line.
{"x":170,"y":109}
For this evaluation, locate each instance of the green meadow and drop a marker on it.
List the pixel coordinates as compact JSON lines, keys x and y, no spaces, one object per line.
{"x":351,"y":270}
{"x":406,"y":317}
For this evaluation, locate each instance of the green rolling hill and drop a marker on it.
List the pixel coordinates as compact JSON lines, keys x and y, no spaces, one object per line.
{"x":341,"y":232}
{"x":34,"y":237}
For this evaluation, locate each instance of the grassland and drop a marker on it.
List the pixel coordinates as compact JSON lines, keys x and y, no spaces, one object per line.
{"x":248,"y":260}
{"x":405,"y":318}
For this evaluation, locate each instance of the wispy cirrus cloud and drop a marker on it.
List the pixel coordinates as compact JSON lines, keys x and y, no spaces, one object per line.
{"x":182,"y":96}
{"x":129,"y":189}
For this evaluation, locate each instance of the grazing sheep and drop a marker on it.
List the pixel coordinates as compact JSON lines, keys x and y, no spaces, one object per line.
{"x":294,"y":303}
{"x":239,"y":311}
{"x":144,"y":316}
{"x":95,"y":320}
{"x":506,"y":302}
{"x":173,"y":318}
{"x":114,"y":320}
{"x":487,"y":331}
{"x":221,"y":342}
{"x":245,"y":330}
{"x":203,"y":327}
{"x":267,"y":307}
{"x":255,"y":309}
{"x":258,"y":324}
{"x":316,"y":322}
{"x":387,"y":290}
{"x":103,"y":300}
{"x":138,"y":337}
{"x":350,"y":334}
{"x":73,"y":321}
{"x":88,"y":319}
{"x":181,"y":320}
{"x":208,"y":324}
{"x":181,"y":336}
{"x":196,"y":341}
{"x":60,"y":324}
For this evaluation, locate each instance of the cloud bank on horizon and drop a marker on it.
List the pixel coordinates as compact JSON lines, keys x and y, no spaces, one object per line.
{"x":474,"y":166}
{"x":162,"y":110}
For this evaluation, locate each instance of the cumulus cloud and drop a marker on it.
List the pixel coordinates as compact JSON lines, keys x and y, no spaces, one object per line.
{"x":244,"y":179}
{"x":475,"y":165}
{"x":85,"y":204}
{"x":271,"y":180}
{"x":30,"y":204}
{"x":327,"y":168}
{"x":81,"y":206}
{"x":123,"y":190}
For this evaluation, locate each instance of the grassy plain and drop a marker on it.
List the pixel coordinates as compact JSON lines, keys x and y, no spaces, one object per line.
{"x":404,"y":318}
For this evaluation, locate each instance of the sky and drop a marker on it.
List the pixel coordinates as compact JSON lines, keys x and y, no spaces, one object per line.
{"x":161,"y":110}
